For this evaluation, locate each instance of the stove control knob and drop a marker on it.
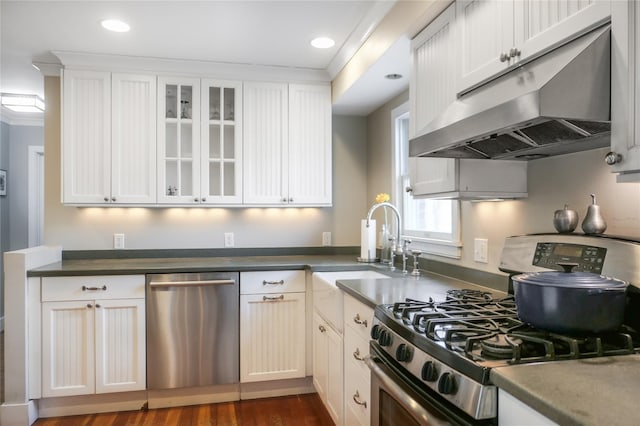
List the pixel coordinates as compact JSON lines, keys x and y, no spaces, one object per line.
{"x":404,"y":353}
{"x":375,"y":332}
{"x":385,"y":339}
{"x":429,"y":371}
{"x":447,"y":384}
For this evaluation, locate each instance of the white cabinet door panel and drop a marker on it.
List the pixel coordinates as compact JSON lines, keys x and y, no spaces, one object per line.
{"x":86,"y":137}
{"x":265,"y":143}
{"x":133,"y":165}
{"x":272,"y":336}
{"x":120,"y":345}
{"x":67,"y":348}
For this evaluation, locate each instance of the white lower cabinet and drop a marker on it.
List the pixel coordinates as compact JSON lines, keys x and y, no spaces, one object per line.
{"x":272,"y":325}
{"x":357,"y":378}
{"x":513,"y":412}
{"x":92,"y":343}
{"x":327,"y":367}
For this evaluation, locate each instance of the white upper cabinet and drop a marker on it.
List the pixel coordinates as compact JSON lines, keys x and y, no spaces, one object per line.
{"x":265,"y":143}
{"x":309,"y":145}
{"x":433,"y":76}
{"x":287,"y":144}
{"x":178,"y":140}
{"x":108,"y":143}
{"x":625,"y":91}
{"x":496,"y":34}
{"x":221,"y":142}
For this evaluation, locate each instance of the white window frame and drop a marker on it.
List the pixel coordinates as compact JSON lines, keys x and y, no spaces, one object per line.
{"x":434,"y":243}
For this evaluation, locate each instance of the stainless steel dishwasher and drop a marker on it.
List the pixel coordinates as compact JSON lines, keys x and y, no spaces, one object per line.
{"x":192,"y":329}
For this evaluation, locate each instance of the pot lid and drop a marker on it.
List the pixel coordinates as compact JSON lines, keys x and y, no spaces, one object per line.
{"x":570,"y":280}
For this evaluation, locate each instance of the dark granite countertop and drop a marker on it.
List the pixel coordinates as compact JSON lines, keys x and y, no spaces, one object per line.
{"x":592,"y":391}
{"x":197,"y":264}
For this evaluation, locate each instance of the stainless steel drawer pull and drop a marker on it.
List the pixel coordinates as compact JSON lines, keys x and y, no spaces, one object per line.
{"x":357,"y":356}
{"x":273,"y":299}
{"x":265,"y":282}
{"x":190,"y":283}
{"x":85,"y":288}
{"x":357,"y":400}
{"x":357,"y":320}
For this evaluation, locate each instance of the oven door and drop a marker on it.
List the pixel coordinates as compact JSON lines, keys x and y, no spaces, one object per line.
{"x":397,"y":400}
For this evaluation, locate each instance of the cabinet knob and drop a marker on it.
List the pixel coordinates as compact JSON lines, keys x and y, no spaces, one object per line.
{"x":321,"y":328}
{"x":98,"y":305}
{"x":113,"y":199}
{"x":284,"y":200}
{"x":357,"y":400}
{"x":291,"y":200}
{"x":504,"y":57}
{"x":612,"y":158}
{"x":106,"y":199}
{"x":89,"y":305}
{"x":196,"y":200}
{"x":203,"y":199}
{"x":408,"y":189}
{"x":514,"y":52}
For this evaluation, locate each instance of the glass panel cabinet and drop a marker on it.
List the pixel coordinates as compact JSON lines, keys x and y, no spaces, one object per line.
{"x":199,"y":132}
{"x":221,"y":162}
{"x":178,"y":141}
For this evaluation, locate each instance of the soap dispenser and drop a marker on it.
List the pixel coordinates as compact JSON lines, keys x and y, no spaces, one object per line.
{"x":593,"y":222}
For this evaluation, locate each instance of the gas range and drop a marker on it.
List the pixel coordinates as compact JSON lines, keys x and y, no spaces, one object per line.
{"x":450,"y":346}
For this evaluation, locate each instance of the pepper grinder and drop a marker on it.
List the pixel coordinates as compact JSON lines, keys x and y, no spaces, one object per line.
{"x":416,"y":269}
{"x":593,"y":222}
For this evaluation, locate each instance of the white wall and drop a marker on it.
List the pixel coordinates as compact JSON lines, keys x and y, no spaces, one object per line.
{"x":552,"y":183}
{"x":149,"y":228}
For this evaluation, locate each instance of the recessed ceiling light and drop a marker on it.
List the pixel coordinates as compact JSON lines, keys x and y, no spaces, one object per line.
{"x":393,"y":76}
{"x":322,"y":42}
{"x":115,"y":25}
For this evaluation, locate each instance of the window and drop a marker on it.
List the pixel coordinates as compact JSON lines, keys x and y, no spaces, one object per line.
{"x":432,"y":225}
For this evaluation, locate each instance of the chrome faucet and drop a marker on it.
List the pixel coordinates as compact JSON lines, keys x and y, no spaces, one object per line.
{"x":394,"y":249}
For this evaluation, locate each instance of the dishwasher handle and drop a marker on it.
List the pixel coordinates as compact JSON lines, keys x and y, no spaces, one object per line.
{"x":194,"y":283}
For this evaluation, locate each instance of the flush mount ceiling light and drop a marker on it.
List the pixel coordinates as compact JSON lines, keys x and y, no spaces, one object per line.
{"x":115,"y":25}
{"x":393,"y":76}
{"x":22,"y":103}
{"x":322,"y":42}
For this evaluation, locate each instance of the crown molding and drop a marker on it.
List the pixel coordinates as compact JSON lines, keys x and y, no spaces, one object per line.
{"x":161,"y":66}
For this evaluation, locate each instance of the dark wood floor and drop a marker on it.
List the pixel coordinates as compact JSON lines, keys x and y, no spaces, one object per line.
{"x":297,"y":410}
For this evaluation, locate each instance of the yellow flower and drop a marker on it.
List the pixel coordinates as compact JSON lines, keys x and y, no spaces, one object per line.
{"x":382,"y":197}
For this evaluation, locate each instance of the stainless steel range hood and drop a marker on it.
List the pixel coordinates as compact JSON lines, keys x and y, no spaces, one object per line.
{"x":555,"y":104}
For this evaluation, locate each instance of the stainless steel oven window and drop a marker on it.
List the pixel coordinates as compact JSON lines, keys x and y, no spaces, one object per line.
{"x":393,"y":404}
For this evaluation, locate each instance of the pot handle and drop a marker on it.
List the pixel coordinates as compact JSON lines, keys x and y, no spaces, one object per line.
{"x":568,"y":266}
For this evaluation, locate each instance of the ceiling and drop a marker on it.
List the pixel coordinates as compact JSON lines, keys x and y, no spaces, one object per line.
{"x":263,"y":32}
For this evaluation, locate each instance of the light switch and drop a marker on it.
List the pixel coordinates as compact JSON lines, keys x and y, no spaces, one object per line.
{"x":118,"y":241}
{"x":480,"y":250}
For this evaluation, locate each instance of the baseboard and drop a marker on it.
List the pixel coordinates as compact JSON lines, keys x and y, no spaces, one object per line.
{"x":276,"y":388}
{"x":18,"y":414}
{"x":88,"y":404}
{"x":193,"y":396}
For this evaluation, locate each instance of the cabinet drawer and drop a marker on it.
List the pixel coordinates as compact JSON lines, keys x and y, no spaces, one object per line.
{"x":355,"y":349}
{"x":259,"y":282}
{"x":92,"y":287}
{"x":357,"y":393}
{"x":358,"y":315}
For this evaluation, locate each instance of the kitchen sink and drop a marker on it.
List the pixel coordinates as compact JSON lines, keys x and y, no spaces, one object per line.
{"x":328,"y":298}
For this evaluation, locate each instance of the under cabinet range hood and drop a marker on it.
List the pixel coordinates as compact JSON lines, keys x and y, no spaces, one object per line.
{"x":555,"y":104}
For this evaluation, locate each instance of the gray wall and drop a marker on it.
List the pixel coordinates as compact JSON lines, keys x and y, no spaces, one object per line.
{"x":552,"y":183}
{"x":147,"y":228}
{"x":14,"y":145}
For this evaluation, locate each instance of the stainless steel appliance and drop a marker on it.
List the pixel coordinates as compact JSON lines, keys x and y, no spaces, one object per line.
{"x":431,"y":360}
{"x":192,"y":329}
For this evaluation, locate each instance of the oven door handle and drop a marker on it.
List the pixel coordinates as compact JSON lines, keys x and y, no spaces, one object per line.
{"x":398,"y":394}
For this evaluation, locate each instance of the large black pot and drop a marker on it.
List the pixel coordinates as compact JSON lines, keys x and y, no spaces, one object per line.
{"x":570,"y":302}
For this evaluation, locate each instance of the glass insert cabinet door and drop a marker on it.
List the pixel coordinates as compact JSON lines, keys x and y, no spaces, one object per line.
{"x":178,"y":141}
{"x":221,"y":160}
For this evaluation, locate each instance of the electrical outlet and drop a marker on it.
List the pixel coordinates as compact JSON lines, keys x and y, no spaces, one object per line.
{"x":118,"y":241}
{"x":326,"y":238}
{"x":228,"y":239}
{"x":480,"y":250}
